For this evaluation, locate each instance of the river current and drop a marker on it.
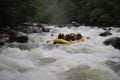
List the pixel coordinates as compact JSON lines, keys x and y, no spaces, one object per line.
{"x":38,"y":60}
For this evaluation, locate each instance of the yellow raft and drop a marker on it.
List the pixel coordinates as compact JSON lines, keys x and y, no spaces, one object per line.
{"x":62,"y":41}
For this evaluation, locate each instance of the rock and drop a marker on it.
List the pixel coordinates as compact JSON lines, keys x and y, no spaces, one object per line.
{"x":75,"y":24}
{"x":1,"y":43}
{"x":106,"y":33}
{"x":3,"y":38}
{"x":19,"y":37}
{"x":40,"y":25}
{"x":45,"y":29}
{"x":27,"y":24}
{"x":114,"y":41}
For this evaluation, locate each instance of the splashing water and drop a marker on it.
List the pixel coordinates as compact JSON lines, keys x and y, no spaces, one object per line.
{"x":38,"y":60}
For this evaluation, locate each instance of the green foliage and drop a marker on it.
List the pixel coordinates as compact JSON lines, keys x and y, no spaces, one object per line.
{"x":95,"y":12}
{"x":104,"y":18}
{"x":95,"y":15}
{"x":15,"y":12}
{"x":116,"y":12}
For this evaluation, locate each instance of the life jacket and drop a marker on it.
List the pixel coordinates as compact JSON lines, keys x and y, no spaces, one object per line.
{"x":78,"y":36}
{"x":67,"y":37}
{"x":61,"y":36}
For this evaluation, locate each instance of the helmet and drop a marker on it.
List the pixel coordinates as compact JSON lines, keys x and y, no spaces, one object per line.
{"x":78,"y":33}
{"x":52,"y":35}
{"x":60,"y":33}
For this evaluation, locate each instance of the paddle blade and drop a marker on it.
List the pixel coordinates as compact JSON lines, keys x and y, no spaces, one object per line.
{"x":47,"y":41}
{"x":82,"y":40}
{"x":88,"y":37}
{"x":52,"y":34}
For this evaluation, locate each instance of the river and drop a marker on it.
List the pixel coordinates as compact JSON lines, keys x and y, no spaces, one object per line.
{"x":38,"y":60}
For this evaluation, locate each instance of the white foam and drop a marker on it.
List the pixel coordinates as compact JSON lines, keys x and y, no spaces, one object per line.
{"x":16,"y":63}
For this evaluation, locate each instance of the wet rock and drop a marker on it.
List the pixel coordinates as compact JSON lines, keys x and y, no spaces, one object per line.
{"x":60,"y":26}
{"x":40,"y":25}
{"x":106,"y":33}
{"x":27,"y":24}
{"x":29,"y":30}
{"x":45,"y":29}
{"x":114,"y":41}
{"x":75,"y":24}
{"x":19,"y":37}
{"x":1,"y":44}
{"x":3,"y":38}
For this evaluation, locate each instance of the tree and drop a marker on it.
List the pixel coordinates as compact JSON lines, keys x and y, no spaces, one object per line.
{"x":95,"y":15}
{"x":15,"y":12}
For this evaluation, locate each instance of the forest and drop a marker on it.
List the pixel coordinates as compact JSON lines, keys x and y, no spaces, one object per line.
{"x":86,"y":12}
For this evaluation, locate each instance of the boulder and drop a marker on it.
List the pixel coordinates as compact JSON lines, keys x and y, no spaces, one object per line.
{"x":114,"y":41}
{"x":40,"y":25}
{"x":106,"y":33}
{"x":1,"y":43}
{"x":19,"y":37}
{"x":45,"y":29}
{"x":3,"y":38}
{"x":75,"y":24}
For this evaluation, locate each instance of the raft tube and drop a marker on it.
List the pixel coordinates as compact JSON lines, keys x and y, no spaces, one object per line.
{"x":62,"y":41}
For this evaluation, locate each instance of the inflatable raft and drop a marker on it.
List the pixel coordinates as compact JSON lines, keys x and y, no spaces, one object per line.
{"x":62,"y":41}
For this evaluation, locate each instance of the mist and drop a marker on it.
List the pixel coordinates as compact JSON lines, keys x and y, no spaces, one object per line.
{"x":55,"y":11}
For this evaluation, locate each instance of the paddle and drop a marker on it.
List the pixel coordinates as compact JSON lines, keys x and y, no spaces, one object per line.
{"x":83,"y":39}
{"x":88,"y":37}
{"x":48,"y":41}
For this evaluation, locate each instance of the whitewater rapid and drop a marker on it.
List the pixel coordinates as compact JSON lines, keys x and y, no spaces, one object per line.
{"x":38,"y":60}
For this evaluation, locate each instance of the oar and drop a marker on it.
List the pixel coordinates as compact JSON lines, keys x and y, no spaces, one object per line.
{"x":88,"y":37}
{"x":48,"y":41}
{"x":83,"y":39}
{"x":52,"y":35}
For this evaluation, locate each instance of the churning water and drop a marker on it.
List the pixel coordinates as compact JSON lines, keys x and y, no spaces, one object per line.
{"x":38,"y":60}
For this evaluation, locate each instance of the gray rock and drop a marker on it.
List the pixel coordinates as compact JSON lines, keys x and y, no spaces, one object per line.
{"x":106,"y":33}
{"x":114,"y":41}
{"x":19,"y":37}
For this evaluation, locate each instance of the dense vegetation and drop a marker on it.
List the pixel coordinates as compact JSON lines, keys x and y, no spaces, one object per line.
{"x":88,"y":12}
